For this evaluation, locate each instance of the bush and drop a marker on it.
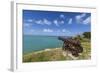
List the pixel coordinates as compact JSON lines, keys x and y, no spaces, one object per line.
{"x":87,"y":35}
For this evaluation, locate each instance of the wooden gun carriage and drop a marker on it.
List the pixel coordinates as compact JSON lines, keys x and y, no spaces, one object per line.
{"x":71,"y":45}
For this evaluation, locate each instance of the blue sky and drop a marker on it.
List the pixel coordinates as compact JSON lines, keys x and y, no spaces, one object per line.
{"x":54,"y":23}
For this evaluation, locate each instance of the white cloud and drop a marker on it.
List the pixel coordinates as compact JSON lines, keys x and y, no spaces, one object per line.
{"x":67,"y":31}
{"x":47,"y":30}
{"x":30,"y":20}
{"x":62,"y":22}
{"x":56,"y":22}
{"x":63,"y":30}
{"x":45,"y":21}
{"x":62,"y":16}
{"x":87,"y":20}
{"x":27,"y":25}
{"x":70,"y":21}
{"x":39,"y":22}
{"x":79,"y":18}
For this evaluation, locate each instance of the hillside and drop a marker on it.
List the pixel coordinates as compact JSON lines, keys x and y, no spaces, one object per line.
{"x":56,"y":54}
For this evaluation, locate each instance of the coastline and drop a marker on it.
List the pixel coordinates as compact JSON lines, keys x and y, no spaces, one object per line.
{"x":44,"y":55}
{"x":40,"y":51}
{"x":56,"y":54}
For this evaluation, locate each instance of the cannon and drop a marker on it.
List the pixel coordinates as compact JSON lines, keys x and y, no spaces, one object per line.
{"x":71,"y":45}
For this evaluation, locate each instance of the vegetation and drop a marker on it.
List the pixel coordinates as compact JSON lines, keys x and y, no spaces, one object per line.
{"x":87,"y":35}
{"x":56,"y":54}
{"x":49,"y":55}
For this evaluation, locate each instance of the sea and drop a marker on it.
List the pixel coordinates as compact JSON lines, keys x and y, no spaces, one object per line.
{"x":35,"y":43}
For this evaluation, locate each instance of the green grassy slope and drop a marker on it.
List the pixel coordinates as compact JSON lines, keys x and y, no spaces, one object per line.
{"x":56,"y":54}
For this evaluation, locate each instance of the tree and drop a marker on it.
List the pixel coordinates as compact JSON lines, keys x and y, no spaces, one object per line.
{"x":78,"y":37}
{"x":87,"y":35}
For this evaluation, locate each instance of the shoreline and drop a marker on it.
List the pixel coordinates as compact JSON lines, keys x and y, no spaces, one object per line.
{"x":40,"y":51}
{"x":47,"y":50}
{"x":44,"y":55}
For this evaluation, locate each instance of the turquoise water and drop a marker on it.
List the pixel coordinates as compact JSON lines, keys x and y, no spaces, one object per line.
{"x":35,"y":43}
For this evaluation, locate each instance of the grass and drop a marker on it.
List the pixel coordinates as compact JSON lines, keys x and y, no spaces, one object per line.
{"x":51,"y":55}
{"x":56,"y":54}
{"x":87,"y":49}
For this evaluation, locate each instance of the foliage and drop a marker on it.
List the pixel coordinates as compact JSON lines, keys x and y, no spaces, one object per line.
{"x":87,"y":35}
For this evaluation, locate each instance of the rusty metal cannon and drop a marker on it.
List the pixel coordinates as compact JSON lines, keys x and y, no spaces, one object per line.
{"x":71,"y":45}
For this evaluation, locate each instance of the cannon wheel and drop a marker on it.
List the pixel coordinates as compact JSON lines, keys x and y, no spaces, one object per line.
{"x":75,"y":51}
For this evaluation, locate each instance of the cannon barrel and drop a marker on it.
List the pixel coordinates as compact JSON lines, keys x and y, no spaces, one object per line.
{"x":62,"y":38}
{"x":72,"y":45}
{"x":69,"y":40}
